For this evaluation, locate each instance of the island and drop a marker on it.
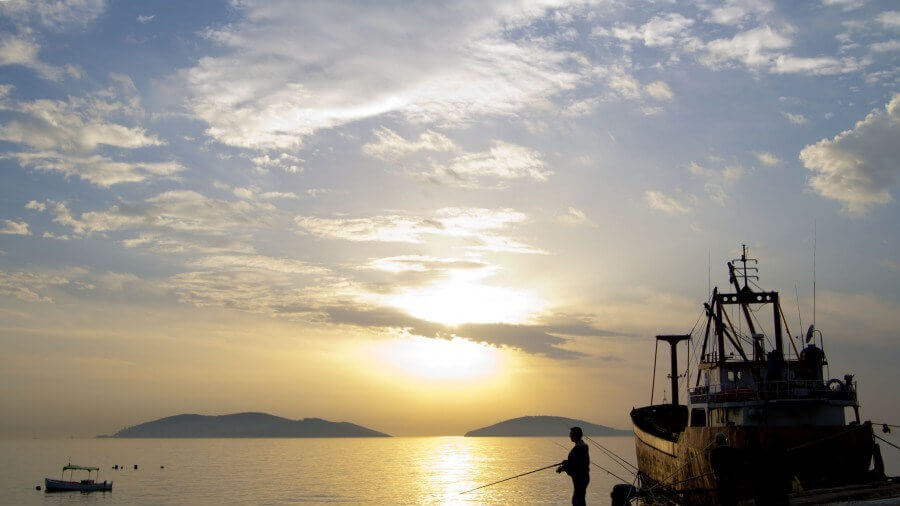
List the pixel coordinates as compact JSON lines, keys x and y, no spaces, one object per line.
{"x":539,"y":426}
{"x":244,"y":425}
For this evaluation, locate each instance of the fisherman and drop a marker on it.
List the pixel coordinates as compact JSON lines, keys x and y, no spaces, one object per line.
{"x":578,"y":466}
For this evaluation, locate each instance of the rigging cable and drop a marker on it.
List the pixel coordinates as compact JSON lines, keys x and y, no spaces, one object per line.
{"x":653,"y":375}
{"x":886,"y":441}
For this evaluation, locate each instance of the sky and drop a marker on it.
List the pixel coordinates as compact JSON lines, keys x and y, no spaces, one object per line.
{"x":426,"y":217}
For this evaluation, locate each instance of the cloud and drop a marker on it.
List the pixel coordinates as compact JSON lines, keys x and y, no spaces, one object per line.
{"x":423,"y":263}
{"x":388,"y":145}
{"x":858,"y":166}
{"x":716,"y":181}
{"x":145,"y":19}
{"x":754,"y":48}
{"x":795,"y":119}
{"x":35,"y":205}
{"x":99,"y":170}
{"x":660,"y":31}
{"x":659,"y":90}
{"x":733,"y":12}
{"x":176,"y":221}
{"x":889,"y":19}
{"x":573,"y":217}
{"x":479,"y":229}
{"x":283,"y":161}
{"x":56,"y":14}
{"x":821,"y":66}
{"x":14,"y":228}
{"x":668,"y":204}
{"x":28,"y":286}
{"x":503,"y":161}
{"x":64,"y":136}
{"x":767,"y":159}
{"x":886,"y":46}
{"x":845,"y":5}
{"x":24,"y":51}
{"x":284,"y":73}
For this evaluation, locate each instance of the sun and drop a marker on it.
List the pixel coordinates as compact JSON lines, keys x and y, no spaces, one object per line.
{"x":440,"y":359}
{"x":459,"y":300}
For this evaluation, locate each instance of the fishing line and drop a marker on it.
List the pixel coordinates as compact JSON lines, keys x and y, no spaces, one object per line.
{"x":614,"y":456}
{"x":511,"y":478}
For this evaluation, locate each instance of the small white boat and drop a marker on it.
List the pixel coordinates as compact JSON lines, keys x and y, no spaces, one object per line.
{"x":87,"y":485}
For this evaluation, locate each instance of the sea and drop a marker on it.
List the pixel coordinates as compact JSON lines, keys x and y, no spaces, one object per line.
{"x":395,"y":471}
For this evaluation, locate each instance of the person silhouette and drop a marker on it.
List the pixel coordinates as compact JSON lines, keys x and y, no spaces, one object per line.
{"x":578,"y":466}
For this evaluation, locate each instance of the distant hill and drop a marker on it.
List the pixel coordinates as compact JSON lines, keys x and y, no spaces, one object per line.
{"x":244,"y":425}
{"x":544,"y":426}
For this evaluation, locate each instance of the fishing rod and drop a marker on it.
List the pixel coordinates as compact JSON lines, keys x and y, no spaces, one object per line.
{"x":511,"y":478}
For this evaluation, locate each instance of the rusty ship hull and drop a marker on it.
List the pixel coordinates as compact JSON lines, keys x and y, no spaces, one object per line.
{"x":798,"y":458}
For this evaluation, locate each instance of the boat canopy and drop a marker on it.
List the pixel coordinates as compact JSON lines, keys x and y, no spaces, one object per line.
{"x":73,"y":467}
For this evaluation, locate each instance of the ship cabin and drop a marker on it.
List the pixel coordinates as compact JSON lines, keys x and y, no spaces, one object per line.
{"x":768,"y":384}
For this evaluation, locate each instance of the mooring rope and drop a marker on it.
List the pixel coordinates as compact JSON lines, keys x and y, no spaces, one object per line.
{"x":511,"y":478}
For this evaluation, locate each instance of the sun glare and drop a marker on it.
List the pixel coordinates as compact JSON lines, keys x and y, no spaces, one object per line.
{"x":457,"y":301}
{"x":441,"y":359}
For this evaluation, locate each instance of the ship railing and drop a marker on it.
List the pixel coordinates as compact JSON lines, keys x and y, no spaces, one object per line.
{"x":771,"y":390}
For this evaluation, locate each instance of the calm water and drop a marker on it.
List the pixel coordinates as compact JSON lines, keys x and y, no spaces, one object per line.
{"x":428,"y":470}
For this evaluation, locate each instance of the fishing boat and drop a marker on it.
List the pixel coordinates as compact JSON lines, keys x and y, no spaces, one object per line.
{"x":89,"y":484}
{"x":762,"y":420}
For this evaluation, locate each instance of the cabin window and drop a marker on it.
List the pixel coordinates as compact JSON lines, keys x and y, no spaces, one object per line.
{"x":734,"y":376}
{"x":698,"y":417}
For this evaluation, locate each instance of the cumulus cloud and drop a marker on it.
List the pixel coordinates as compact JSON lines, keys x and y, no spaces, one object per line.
{"x":22,"y":50}
{"x":668,"y":204}
{"x":659,"y":90}
{"x":34,"y":205}
{"x":767,"y":159}
{"x":858,"y":166}
{"x":276,"y":83}
{"x":11,"y":227}
{"x":480,"y":229}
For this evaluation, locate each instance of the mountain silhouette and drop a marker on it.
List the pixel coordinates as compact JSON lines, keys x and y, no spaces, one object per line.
{"x":244,"y":425}
{"x":544,"y":426}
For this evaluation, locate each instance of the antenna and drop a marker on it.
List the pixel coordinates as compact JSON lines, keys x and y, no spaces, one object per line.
{"x":799,"y":316}
{"x":814,"y":272}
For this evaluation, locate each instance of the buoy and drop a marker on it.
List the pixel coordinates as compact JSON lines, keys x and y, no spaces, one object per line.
{"x":135,"y":466}
{"x":37,"y":487}
{"x":116,"y":466}
{"x":162,"y":467}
